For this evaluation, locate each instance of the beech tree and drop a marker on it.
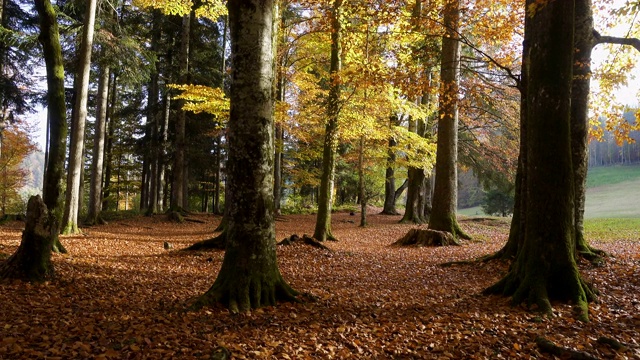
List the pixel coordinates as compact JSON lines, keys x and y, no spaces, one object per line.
{"x":443,"y":212}
{"x":545,"y":268}
{"x":249,"y":276}
{"x":70,"y":219}
{"x":32,"y":260}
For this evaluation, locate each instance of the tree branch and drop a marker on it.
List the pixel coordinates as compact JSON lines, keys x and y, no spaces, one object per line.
{"x":600,"y":39}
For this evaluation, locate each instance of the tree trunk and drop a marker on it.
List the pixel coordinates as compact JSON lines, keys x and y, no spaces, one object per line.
{"x":322,"y":230}
{"x":545,"y":268}
{"x":32,"y":261}
{"x":178,"y":195}
{"x":412,"y":212}
{"x":445,"y":197}
{"x":108,"y":146}
{"x":362,"y":191}
{"x":70,"y":220}
{"x":57,"y":124}
{"x":389,"y":207}
{"x":95,"y":192}
{"x":249,"y":277}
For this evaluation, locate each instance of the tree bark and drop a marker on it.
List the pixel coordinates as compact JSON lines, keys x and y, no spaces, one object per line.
{"x":322,"y":230}
{"x":545,"y":268}
{"x":32,"y":261}
{"x":389,"y":207}
{"x":445,"y":197}
{"x":249,"y":277}
{"x":178,"y":194}
{"x":57,"y":112}
{"x":108,"y":146}
{"x":70,"y":220}
{"x":95,"y":192}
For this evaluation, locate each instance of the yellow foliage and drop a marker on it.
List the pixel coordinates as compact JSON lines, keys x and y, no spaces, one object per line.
{"x":200,"y":98}
{"x":211,"y":9}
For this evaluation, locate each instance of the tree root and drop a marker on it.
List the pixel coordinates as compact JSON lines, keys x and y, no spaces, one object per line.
{"x":426,"y":237}
{"x":216,"y":243}
{"x":547,"y":346}
{"x":305,"y":239}
{"x":256,"y":293}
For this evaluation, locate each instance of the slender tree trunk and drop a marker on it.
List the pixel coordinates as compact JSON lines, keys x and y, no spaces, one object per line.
{"x":217,"y":170}
{"x":545,"y":268}
{"x":389,"y":207}
{"x":70,"y":220}
{"x":445,"y":197}
{"x":178,"y":195}
{"x":322,"y":230}
{"x":95,"y":192}
{"x":108,"y":151}
{"x":162,"y":160}
{"x":249,"y":276}
{"x":362,"y":191}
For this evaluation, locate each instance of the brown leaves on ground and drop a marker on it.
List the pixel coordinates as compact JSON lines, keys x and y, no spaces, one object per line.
{"x":120,"y":294}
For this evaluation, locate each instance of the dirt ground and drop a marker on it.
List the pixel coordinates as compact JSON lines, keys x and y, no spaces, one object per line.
{"x":120,"y":294}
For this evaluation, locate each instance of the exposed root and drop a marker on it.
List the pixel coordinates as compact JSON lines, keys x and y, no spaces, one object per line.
{"x":217,"y":243}
{"x":305,"y":239}
{"x":255,"y":293}
{"x":426,"y":237}
{"x":547,"y":346}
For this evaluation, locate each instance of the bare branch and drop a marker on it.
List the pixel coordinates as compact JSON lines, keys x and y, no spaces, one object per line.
{"x":635,"y":42}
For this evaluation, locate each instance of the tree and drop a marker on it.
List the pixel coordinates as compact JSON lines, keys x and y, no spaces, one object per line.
{"x":32,"y":260}
{"x":70,"y":219}
{"x":443,"y":213}
{"x":249,"y":277}
{"x":16,"y":146}
{"x":545,"y":267}
{"x":97,"y":164}
{"x":322,"y":230}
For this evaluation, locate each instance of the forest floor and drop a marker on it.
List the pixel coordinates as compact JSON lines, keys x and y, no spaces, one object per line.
{"x":119,"y":294}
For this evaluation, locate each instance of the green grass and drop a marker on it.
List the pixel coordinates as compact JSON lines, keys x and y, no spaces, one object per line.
{"x":472,"y":211}
{"x":610,"y":175}
{"x":612,"y":229}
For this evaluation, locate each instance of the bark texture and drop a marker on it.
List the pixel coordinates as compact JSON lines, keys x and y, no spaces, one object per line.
{"x":32,"y":261}
{"x":178,"y":195}
{"x":545,"y":268}
{"x":70,"y":219}
{"x":445,"y":196}
{"x":57,"y":114}
{"x":322,"y":230}
{"x":249,"y":277}
{"x":95,"y":192}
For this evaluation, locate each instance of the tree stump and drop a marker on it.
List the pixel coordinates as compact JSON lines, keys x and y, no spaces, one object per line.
{"x":32,"y":261}
{"x":426,"y":237}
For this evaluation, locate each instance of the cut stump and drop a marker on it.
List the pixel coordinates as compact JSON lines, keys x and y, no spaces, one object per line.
{"x":426,"y":237}
{"x":32,"y":260}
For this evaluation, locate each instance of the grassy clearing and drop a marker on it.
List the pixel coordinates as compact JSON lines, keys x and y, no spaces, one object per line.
{"x":614,"y":229}
{"x":610,"y":175}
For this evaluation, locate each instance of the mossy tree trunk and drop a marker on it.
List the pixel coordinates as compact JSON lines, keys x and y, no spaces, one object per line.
{"x":249,"y":277}
{"x":445,"y":196}
{"x":57,"y":112}
{"x":545,"y":268}
{"x":322,"y":230}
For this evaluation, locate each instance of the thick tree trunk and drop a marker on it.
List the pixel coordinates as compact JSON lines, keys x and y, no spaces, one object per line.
{"x":32,"y":260}
{"x":322,"y":230}
{"x":178,"y":195}
{"x":445,"y":197}
{"x":249,"y":277}
{"x":584,"y":43}
{"x":70,"y":220}
{"x":412,"y":212}
{"x":57,"y":115}
{"x":95,"y":192}
{"x":545,"y":268}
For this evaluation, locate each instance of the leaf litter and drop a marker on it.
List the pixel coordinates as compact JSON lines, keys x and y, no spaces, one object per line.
{"x":120,"y":294}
